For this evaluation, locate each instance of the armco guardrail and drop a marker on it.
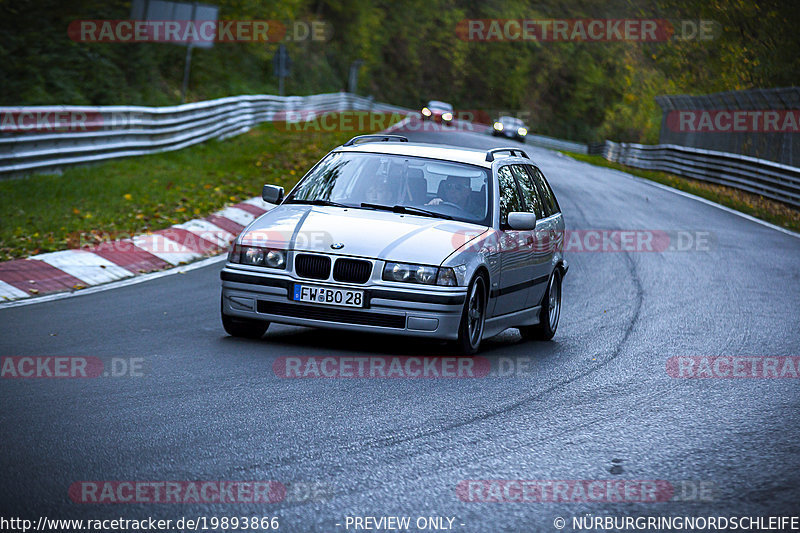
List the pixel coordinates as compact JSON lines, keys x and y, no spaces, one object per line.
{"x":109,"y":132}
{"x":759,"y":176}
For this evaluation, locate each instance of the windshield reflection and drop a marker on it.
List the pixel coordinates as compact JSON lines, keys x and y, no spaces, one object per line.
{"x":451,"y":190}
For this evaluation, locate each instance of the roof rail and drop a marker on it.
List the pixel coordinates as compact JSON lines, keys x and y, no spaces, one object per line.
{"x":379,"y":138}
{"x":512,"y":151}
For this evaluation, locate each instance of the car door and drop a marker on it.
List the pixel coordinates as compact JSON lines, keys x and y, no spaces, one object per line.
{"x":514,"y":248}
{"x":554,"y":216}
{"x":541,"y":248}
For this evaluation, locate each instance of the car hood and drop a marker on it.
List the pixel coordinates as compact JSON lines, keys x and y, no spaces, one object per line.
{"x":363,"y":233}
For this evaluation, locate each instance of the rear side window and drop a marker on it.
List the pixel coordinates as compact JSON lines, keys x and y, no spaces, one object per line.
{"x":547,"y":195}
{"x":509,"y":195}
{"x":529,"y":191}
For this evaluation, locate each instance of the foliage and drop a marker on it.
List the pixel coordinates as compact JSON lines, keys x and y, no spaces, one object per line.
{"x":584,"y":91}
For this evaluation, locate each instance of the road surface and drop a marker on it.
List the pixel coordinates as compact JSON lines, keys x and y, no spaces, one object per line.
{"x":596,"y":403}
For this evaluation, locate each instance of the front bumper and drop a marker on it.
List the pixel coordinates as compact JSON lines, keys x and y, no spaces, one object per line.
{"x":433,"y":312}
{"x":438,"y":119}
{"x":509,"y":134}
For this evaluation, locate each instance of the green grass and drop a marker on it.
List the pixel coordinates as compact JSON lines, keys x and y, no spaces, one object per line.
{"x":752,"y":204}
{"x":120,"y":198}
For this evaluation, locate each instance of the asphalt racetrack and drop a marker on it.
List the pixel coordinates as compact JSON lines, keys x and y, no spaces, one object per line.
{"x":596,"y":403}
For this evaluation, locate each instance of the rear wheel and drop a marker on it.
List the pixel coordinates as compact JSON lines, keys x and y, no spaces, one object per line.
{"x":470,"y":330}
{"x":549,"y":314}
{"x":243,"y":327}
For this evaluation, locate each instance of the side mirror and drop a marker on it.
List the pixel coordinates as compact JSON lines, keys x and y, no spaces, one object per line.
{"x":272,"y":194}
{"x":522,"y":221}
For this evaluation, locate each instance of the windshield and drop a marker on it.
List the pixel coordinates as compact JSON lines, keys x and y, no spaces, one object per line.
{"x":511,"y":121}
{"x":435,"y":104}
{"x":371,"y":181}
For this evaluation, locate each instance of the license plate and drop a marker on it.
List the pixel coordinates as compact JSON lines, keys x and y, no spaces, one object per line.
{"x":328,"y":295}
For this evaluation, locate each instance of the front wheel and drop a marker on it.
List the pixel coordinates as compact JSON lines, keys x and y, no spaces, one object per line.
{"x":549,"y":314}
{"x":470,"y":330}
{"x":243,"y":327}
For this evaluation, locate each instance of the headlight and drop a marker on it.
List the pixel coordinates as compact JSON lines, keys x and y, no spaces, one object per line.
{"x":522,"y":131}
{"x":447,"y":116}
{"x":275,"y":259}
{"x":410,"y":273}
{"x":254,"y":255}
{"x":498,"y":126}
{"x":426,"y":111}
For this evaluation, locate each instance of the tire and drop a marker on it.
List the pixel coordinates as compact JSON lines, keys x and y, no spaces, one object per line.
{"x":549,"y":314}
{"x":243,"y":327}
{"x":473,"y":318}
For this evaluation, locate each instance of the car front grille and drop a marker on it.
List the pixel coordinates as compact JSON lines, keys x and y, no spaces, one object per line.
{"x":332,"y":314}
{"x":312,"y":266}
{"x":352,"y":270}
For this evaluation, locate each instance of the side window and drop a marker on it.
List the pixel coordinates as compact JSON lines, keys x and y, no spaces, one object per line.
{"x":548,"y":198}
{"x":529,"y":192}
{"x":509,"y":195}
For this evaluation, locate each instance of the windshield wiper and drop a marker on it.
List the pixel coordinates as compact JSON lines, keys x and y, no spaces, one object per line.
{"x":317,"y":201}
{"x":407,"y":209}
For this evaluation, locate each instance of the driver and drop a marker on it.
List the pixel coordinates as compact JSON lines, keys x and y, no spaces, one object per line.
{"x":455,"y":190}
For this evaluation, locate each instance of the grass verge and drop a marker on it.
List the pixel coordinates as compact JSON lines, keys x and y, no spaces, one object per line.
{"x":752,"y":204}
{"x":125,"y":197}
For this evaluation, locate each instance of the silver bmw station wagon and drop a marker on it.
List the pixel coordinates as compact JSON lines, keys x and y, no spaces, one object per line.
{"x":384,"y":235}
